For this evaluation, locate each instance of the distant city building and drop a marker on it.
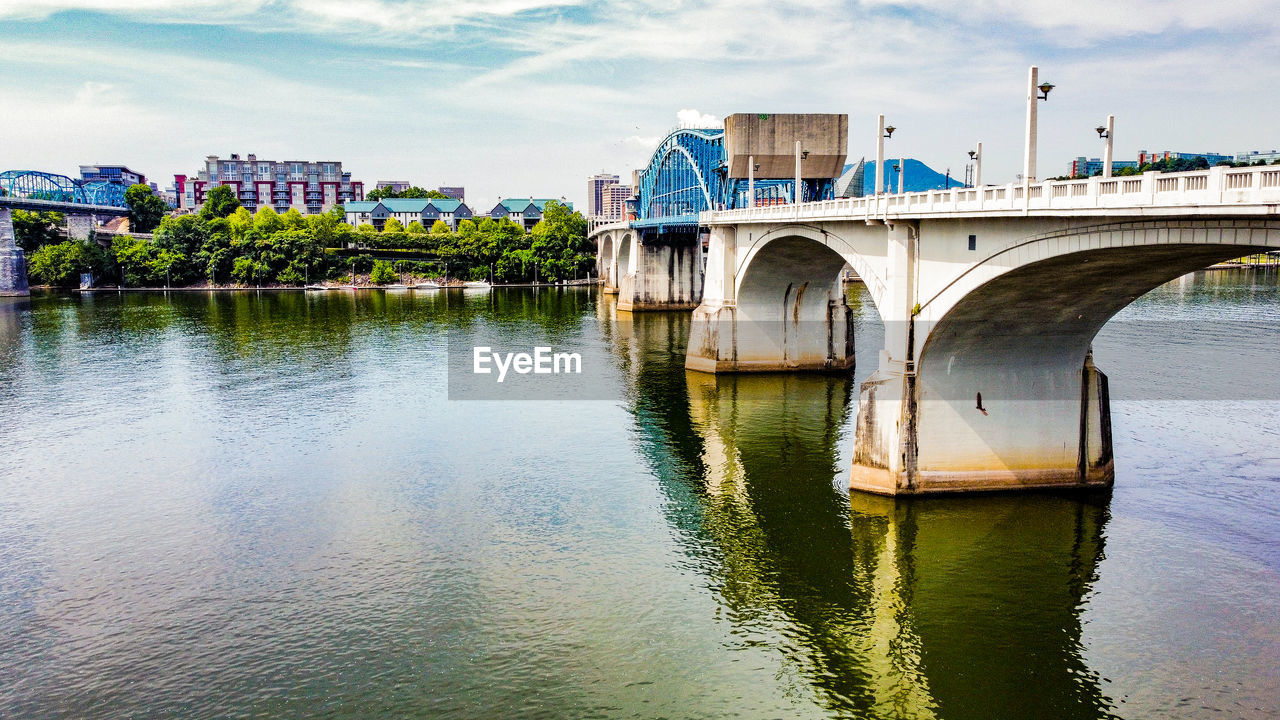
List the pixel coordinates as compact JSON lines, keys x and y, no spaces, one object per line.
{"x":1090,"y":166}
{"x":1253,"y":156}
{"x":406,"y":210}
{"x":595,"y":192}
{"x":613,"y":201}
{"x":396,"y":186}
{"x":457,"y":193}
{"x":308,"y":187}
{"x":118,"y":174}
{"x":1151,"y":157}
{"x":525,"y":211}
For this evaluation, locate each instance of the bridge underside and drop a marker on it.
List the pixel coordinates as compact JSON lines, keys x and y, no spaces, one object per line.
{"x":652,"y":270}
{"x":789,"y":314}
{"x":1004,"y":394}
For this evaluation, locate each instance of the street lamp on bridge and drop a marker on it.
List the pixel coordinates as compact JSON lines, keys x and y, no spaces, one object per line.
{"x":976,"y":156}
{"x":1036,"y":91}
{"x":1104,"y":133}
{"x":882,"y":132}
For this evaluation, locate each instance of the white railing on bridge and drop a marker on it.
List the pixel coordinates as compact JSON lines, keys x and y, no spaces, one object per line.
{"x":1213,"y":189}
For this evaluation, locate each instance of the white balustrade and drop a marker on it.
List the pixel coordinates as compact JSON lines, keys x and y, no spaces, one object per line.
{"x":1200,"y":189}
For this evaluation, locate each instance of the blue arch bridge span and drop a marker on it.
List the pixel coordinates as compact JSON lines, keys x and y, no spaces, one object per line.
{"x":653,"y":261}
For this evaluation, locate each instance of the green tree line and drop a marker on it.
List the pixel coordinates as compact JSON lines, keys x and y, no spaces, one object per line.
{"x":224,"y":244}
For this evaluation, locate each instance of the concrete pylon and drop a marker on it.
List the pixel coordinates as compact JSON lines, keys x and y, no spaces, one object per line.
{"x":664,"y":273}
{"x":13,"y":263}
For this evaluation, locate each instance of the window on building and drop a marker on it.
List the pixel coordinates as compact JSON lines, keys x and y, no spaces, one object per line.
{"x":973,"y":242}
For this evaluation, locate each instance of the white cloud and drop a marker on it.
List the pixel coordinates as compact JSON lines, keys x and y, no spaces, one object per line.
{"x":1104,"y":17}
{"x":690,"y":118}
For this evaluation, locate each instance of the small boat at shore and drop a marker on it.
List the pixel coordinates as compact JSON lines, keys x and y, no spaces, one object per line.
{"x":427,"y":286}
{"x":477,"y":284}
{"x":317,"y":287}
{"x":397,"y":286}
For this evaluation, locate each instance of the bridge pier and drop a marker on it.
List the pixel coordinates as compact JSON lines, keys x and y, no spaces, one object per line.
{"x":767,"y":320}
{"x":79,"y":227}
{"x":662,"y":271}
{"x":13,"y":264}
{"x":911,"y":441}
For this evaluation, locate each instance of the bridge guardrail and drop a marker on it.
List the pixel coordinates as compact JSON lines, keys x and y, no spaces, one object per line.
{"x":1217,"y":187}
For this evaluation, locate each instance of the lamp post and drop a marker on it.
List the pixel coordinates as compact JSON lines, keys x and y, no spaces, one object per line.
{"x":796,"y":196}
{"x":1105,"y":132}
{"x":882,"y":132}
{"x":1036,"y":91}
{"x":976,"y":156}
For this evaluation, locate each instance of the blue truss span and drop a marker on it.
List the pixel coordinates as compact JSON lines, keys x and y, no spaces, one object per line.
{"x":36,"y":185}
{"x":687,"y":175}
{"x":684,"y":176}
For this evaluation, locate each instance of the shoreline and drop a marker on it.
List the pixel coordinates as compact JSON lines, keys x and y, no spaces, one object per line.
{"x":294,"y":288}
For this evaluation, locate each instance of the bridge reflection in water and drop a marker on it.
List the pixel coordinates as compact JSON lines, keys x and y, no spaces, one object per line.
{"x":943,"y":607}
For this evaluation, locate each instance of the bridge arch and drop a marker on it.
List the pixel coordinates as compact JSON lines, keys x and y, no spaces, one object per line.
{"x":823,"y":237}
{"x":604,"y":264}
{"x":1018,"y":328}
{"x":624,"y":257}
{"x":681,"y":179}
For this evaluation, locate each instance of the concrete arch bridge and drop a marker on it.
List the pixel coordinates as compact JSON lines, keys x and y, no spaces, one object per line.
{"x":990,"y":297}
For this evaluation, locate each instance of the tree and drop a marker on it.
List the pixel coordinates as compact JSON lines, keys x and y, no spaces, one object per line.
{"x":136,"y":258}
{"x":187,"y":236}
{"x":393,"y":225}
{"x":146,"y":209}
{"x":411,"y":192}
{"x":219,"y":202}
{"x":293,"y":220}
{"x":415,"y":228}
{"x":440,"y":227}
{"x":268,"y":221}
{"x":239,"y":223}
{"x":60,"y":265}
{"x":382,"y":273}
{"x":33,"y":229}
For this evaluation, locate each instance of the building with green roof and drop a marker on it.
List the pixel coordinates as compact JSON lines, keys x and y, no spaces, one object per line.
{"x":424,"y":210}
{"x":525,"y":211}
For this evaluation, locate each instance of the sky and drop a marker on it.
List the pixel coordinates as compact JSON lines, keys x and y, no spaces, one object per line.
{"x":526,"y":98}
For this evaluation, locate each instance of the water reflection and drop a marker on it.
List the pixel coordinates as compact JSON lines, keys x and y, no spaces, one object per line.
{"x":947,"y":607}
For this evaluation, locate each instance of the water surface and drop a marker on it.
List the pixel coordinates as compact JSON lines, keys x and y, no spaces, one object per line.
{"x":266,"y":505}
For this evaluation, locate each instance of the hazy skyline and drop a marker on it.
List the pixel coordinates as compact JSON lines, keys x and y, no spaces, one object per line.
{"x":520,"y":97}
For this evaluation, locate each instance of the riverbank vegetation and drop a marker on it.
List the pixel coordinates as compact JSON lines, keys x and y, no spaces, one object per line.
{"x":226,"y":245}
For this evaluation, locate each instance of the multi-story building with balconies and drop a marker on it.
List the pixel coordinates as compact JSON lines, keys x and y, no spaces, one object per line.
{"x":309,"y":187}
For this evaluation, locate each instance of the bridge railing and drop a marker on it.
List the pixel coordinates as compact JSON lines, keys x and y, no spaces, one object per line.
{"x":1217,"y":187}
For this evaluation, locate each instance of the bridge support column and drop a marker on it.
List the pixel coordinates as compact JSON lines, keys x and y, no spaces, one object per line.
{"x":912,"y":438}
{"x":13,"y":264}
{"x":79,"y":227}
{"x":666,"y":275}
